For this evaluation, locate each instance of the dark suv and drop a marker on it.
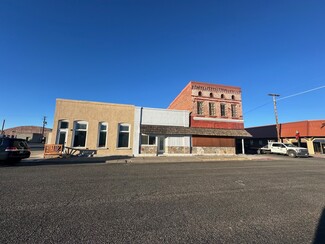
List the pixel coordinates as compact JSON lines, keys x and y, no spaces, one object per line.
{"x":13,"y":149}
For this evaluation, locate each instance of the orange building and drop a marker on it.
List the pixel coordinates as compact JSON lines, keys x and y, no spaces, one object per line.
{"x":310,"y":133}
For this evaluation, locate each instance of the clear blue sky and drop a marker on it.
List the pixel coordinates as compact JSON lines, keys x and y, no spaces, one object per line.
{"x":143,"y":52}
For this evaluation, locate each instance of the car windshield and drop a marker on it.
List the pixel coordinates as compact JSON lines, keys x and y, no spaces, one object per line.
{"x":289,"y":145}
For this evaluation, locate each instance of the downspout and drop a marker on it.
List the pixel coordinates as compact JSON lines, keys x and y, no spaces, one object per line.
{"x":140,"y":123}
{"x":243,"y":145}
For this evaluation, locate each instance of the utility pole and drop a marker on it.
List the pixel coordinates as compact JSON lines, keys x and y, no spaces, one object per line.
{"x":44,"y":123}
{"x":276,"y":114}
{"x":3,"y":126}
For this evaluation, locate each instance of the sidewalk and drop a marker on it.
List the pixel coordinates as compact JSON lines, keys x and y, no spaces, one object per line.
{"x":37,"y":156}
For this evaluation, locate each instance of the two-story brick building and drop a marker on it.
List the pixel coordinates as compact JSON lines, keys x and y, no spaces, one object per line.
{"x":214,"y":107}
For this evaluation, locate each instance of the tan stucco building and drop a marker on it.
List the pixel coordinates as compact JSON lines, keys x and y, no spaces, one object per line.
{"x":104,"y":127}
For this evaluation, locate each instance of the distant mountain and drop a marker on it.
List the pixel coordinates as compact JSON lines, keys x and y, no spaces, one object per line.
{"x":26,"y":130}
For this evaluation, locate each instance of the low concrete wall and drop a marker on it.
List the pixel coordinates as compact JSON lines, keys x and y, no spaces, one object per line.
{"x":214,"y":150}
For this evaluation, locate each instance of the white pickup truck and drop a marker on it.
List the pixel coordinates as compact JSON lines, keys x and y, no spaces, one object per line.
{"x":284,"y":148}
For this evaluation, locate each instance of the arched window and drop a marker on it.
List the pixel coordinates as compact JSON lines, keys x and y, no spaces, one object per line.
{"x":222,"y":96}
{"x":211,"y":94}
{"x":199,"y":93}
{"x":80,"y":133}
{"x":233,"y":97}
{"x":199,"y":107}
{"x":62,"y":135}
{"x":233,"y":110}
{"x":102,"y":130}
{"x":124,"y":135}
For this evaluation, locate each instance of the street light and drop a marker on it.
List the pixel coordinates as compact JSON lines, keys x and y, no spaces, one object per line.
{"x":276,"y":114}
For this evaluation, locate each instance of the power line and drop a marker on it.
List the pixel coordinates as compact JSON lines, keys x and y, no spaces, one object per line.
{"x":293,"y":95}
{"x":253,"y":109}
{"x":300,"y":93}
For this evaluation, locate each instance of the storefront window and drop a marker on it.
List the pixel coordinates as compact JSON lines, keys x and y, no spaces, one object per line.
{"x":80,"y":134}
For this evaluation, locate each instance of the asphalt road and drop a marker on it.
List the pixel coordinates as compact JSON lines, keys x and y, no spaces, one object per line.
{"x":281,"y":201}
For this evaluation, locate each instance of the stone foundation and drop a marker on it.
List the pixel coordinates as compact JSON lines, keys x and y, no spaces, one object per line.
{"x":214,"y":150}
{"x":178,"y":150}
{"x":148,"y":149}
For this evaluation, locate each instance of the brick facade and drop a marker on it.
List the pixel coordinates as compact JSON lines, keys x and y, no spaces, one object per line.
{"x":220,"y":106}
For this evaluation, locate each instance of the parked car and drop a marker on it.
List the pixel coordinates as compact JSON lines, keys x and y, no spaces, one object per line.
{"x":13,"y":149}
{"x":284,"y":148}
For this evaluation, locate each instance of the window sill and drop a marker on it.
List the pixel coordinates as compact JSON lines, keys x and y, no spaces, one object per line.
{"x":124,"y":148}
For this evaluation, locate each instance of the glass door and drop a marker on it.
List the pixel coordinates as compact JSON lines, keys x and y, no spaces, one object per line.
{"x":161,"y":144}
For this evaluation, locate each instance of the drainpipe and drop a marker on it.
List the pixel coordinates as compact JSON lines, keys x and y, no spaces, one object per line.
{"x":140,"y":123}
{"x":243,"y":145}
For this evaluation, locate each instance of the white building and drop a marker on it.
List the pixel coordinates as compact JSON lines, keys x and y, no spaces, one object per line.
{"x":156,"y":131}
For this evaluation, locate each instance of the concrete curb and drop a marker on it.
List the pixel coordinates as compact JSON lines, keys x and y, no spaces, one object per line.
{"x":142,"y":160}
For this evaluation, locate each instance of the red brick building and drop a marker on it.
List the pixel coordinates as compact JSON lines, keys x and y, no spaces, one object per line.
{"x":213,"y":106}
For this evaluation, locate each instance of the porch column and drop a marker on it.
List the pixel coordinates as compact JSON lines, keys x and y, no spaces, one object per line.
{"x":310,"y":145}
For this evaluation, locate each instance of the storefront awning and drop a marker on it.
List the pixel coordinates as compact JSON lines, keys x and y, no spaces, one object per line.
{"x":179,"y":130}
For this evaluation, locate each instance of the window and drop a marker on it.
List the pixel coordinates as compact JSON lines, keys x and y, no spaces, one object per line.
{"x":223,"y":109}
{"x":80,"y":134}
{"x":199,"y":107}
{"x":233,"y":97}
{"x":212,"y":109}
{"x":199,"y":94}
{"x":233,"y":111}
{"x":61,"y":137}
{"x":123,"y":136}
{"x":211,"y":94}
{"x":64,"y":124}
{"x":148,"y":140}
{"x":222,"y":96}
{"x":102,"y":134}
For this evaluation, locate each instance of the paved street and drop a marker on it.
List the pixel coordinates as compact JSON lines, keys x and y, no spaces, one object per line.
{"x":269,"y":201}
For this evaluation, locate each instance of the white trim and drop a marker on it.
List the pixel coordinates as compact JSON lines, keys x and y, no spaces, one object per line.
{"x":219,"y":120}
{"x":66,"y":130}
{"x":75,"y":130}
{"x":99,"y":131}
{"x":118,"y":135}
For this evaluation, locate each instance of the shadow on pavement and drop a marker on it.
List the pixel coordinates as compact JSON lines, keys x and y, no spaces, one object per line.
{"x":66,"y":161}
{"x":320,"y":231}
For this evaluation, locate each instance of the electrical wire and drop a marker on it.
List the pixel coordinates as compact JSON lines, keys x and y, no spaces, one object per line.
{"x":300,"y":93}
{"x":293,"y":95}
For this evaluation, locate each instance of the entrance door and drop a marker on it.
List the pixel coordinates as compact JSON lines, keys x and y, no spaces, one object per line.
{"x":62,"y":138}
{"x":161,"y":145}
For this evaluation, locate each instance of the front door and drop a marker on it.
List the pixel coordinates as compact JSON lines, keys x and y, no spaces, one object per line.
{"x":62,"y":137}
{"x":161,"y":145}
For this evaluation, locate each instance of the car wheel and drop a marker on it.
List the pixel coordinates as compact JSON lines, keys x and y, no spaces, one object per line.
{"x":292,"y":154}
